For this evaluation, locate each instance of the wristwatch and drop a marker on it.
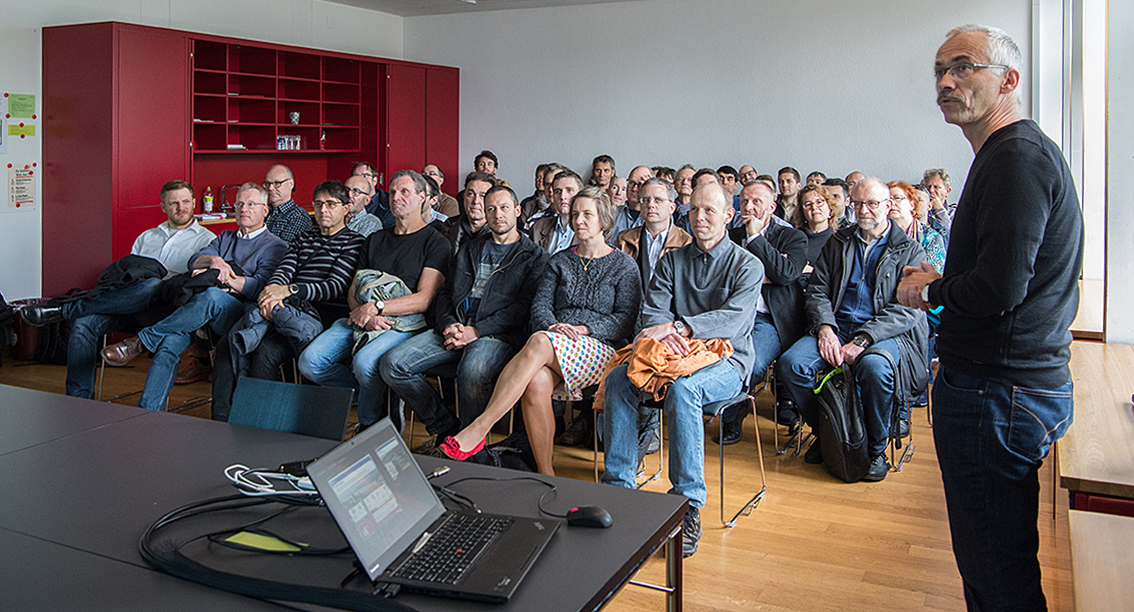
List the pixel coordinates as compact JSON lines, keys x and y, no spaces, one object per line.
{"x":292,"y":290}
{"x":679,"y":327}
{"x":925,"y":293}
{"x":861,"y":340}
{"x":381,"y":305}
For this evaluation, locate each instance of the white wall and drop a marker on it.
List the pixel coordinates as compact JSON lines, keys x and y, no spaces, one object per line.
{"x":1120,"y":165}
{"x":306,"y":23}
{"x":816,"y":84}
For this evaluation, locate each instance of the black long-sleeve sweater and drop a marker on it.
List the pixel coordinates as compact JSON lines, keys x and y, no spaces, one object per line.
{"x":1015,"y":250}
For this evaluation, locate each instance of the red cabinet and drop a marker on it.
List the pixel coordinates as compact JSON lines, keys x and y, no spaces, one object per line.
{"x":127,"y":108}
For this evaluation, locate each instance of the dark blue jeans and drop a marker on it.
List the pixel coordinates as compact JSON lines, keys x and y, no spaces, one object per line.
{"x":875,"y":378}
{"x":991,"y":440}
{"x":477,"y":366}
{"x":170,"y":337}
{"x":125,"y":309}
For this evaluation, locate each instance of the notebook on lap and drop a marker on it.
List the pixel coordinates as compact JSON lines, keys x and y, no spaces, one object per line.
{"x":402,"y":533}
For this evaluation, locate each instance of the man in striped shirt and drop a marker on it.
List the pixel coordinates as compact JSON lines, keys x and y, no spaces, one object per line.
{"x":306,"y":290}
{"x":242,"y":261}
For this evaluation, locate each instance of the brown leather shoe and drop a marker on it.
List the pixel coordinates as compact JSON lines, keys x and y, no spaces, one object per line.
{"x":194,"y":371}
{"x":120,"y":353}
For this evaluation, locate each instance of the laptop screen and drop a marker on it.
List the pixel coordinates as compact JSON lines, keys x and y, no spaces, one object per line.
{"x":377,"y":494}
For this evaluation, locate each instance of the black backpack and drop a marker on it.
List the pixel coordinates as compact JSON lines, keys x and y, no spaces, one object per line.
{"x":842,"y":432}
{"x":513,"y":453}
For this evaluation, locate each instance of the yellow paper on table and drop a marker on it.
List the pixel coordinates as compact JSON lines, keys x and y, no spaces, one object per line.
{"x":254,"y":540}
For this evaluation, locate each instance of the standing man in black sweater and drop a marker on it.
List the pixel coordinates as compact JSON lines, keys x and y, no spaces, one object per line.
{"x":1003,"y":390}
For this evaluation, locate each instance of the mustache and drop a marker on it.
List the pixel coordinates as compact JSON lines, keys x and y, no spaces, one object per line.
{"x":945,"y":97}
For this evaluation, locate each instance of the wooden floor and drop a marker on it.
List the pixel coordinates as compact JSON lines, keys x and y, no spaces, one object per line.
{"x":813,"y":544}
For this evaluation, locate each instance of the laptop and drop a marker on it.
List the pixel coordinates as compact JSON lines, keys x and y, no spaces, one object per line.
{"x":402,"y":533}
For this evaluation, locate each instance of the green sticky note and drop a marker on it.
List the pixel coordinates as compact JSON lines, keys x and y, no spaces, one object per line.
{"x":254,"y":540}
{"x":21,"y":105}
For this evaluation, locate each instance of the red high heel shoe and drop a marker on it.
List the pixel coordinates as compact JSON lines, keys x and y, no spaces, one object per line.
{"x":452,"y":449}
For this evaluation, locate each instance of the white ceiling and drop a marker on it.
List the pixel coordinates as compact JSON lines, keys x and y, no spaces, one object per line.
{"x":411,"y":8}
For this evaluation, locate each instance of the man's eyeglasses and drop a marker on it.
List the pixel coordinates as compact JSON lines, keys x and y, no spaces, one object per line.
{"x":871,"y":204}
{"x":275,"y":184}
{"x":326,"y":203}
{"x":648,"y":200}
{"x":249,"y":205}
{"x":367,"y":175}
{"x":359,"y":192}
{"x":962,"y":71}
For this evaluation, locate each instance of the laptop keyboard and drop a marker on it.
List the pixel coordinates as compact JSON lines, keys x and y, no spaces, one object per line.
{"x":451,"y":550}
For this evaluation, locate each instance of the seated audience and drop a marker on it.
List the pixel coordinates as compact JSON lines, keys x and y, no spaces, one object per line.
{"x":446,"y":204}
{"x":602,"y":171}
{"x":704,"y":290}
{"x":379,"y":205}
{"x":305,"y":291}
{"x":657,"y":200}
{"x":358,"y":220}
{"x":788,"y":181}
{"x":471,"y":222}
{"x":483,"y":312}
{"x":626,"y":217}
{"x":853,"y":316}
{"x":285,"y":218}
{"x":130,"y":306}
{"x":819,"y":218}
{"x":556,"y":233}
{"x":419,"y":258}
{"x":904,"y":214}
{"x":585,"y":306}
{"x":238,"y":264}
{"x":779,"y":308}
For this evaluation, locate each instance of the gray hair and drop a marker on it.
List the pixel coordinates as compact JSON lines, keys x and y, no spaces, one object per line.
{"x":670,"y":192}
{"x":999,"y":46}
{"x":419,"y":183}
{"x":939,"y":173}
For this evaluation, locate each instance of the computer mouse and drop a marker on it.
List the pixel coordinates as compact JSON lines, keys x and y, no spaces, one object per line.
{"x":589,"y":516}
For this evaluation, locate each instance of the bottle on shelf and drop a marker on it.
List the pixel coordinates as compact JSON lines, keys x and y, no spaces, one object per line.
{"x":207,"y":200}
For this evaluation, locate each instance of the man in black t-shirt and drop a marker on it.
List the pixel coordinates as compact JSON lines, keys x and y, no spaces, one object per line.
{"x":482,"y":320}
{"x":419,"y":257}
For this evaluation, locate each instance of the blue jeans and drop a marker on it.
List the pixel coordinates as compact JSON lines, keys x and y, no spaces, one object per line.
{"x":684,"y":416}
{"x":327,"y":361}
{"x":123,"y":309}
{"x":169,"y":338}
{"x":799,"y":365}
{"x":991,"y":440}
{"x":765,"y":349}
{"x":477,"y":367}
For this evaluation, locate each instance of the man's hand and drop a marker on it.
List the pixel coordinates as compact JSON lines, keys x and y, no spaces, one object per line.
{"x":378,"y":322}
{"x":851,"y":351}
{"x":667,"y":335}
{"x":829,"y":347}
{"x":755,"y":224}
{"x":360,"y":317}
{"x":458,"y":336}
{"x":274,"y":293}
{"x":936,"y":202}
{"x":909,"y":290}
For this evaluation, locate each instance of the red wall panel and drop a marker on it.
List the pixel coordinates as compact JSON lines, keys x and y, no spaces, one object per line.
{"x":442,"y":124}
{"x":405,"y":118}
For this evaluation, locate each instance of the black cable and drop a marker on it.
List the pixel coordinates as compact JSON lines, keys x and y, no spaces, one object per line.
{"x":171,"y":560}
{"x":539,"y":503}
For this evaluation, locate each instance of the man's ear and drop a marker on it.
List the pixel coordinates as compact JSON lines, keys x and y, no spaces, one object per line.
{"x":1011,"y":81}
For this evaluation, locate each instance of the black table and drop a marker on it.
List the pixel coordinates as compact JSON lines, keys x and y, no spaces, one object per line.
{"x":83,"y":480}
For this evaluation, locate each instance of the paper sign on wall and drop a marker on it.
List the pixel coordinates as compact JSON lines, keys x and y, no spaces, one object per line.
{"x":21,"y":187}
{"x":21,"y":105}
{"x":21,"y":129}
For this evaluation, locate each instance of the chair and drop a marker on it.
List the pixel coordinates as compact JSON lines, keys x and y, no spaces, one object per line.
{"x":303,"y":409}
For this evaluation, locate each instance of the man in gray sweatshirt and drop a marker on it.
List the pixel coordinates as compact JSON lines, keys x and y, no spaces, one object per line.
{"x":704,"y":290}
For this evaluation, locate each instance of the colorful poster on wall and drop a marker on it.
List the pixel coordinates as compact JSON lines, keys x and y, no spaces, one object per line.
{"x":21,"y":187}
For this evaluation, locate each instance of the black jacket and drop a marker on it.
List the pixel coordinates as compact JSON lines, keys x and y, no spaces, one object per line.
{"x":891,"y":320}
{"x":506,"y":304}
{"x":783,"y":251}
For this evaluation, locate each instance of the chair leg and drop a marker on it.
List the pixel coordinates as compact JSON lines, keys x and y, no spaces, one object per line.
{"x":896,"y":443}
{"x":752,"y":503}
{"x":101,"y":368}
{"x":661,"y":452}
